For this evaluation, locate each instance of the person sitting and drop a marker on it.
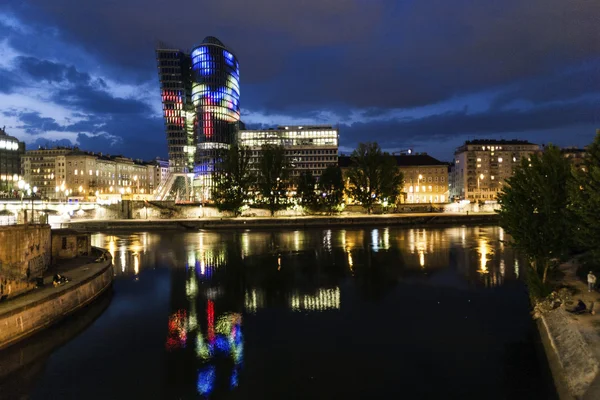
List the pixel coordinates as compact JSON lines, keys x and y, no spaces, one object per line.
{"x":580,"y":307}
{"x":59,"y":280}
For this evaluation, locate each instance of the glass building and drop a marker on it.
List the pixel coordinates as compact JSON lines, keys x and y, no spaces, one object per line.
{"x":201,"y":106}
{"x":309,"y":148}
{"x":11,"y":150}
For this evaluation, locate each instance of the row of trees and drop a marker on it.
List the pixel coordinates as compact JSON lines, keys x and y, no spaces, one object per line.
{"x":372,"y":178}
{"x":551,"y":210}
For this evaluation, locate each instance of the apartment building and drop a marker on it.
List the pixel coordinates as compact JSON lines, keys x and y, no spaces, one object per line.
{"x":482,"y":166}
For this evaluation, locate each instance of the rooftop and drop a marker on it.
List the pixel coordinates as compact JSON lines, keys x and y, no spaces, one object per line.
{"x":403,"y":160}
{"x":495,"y":142}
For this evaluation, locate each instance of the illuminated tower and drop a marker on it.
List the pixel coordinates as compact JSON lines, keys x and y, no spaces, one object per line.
{"x":178,"y":110}
{"x":216,"y":98}
{"x":201,"y":106}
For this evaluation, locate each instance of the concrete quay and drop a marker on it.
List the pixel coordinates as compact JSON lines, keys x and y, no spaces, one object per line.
{"x":407,"y":220}
{"x":30,"y":313}
{"x":572,"y":341}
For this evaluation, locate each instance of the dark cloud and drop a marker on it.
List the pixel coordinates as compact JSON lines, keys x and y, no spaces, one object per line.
{"x":46,"y":143}
{"x":300,"y":59}
{"x":88,"y":99}
{"x":35,"y":124}
{"x":364,"y":54}
{"x":571,"y":84}
{"x":7,"y":82}
{"x":445,"y":126}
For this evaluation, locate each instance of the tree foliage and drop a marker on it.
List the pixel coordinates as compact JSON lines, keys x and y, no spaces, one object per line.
{"x":233,"y":180}
{"x":374,"y":176}
{"x":585,"y":194}
{"x":534,"y":211}
{"x":331,"y":189}
{"x":273,"y":178}
{"x":305,"y":191}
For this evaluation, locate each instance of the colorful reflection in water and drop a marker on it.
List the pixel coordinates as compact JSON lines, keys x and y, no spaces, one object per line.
{"x":201,"y":325}
{"x":279,"y":314}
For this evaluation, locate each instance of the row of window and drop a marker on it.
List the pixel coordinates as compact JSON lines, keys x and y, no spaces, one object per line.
{"x":429,"y":188}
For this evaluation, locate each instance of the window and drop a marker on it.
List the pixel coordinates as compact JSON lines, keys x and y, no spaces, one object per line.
{"x":64,"y":243}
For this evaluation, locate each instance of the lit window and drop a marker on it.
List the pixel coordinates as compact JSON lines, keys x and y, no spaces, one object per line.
{"x":499,"y":159}
{"x":479,"y":160}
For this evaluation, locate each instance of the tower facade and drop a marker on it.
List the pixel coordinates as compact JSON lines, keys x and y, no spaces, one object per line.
{"x":201,"y":105}
{"x":178,"y":111}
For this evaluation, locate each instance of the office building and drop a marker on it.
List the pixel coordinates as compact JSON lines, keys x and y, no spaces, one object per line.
{"x":201,"y":105}
{"x":11,"y":150}
{"x":482,"y":166}
{"x":310,"y":148}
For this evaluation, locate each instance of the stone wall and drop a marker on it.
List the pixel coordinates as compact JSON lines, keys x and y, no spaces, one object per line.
{"x":36,"y":315}
{"x":24,"y":255}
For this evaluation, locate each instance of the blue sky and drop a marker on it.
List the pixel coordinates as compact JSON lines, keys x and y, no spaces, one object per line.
{"x":425,"y":74}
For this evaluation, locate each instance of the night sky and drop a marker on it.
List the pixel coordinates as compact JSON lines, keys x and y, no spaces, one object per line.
{"x":424,"y":74}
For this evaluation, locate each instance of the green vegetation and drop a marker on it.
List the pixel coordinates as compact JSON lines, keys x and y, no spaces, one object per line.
{"x":234,"y":180}
{"x":374,"y":176}
{"x":331,"y":188}
{"x":305,"y":191}
{"x":585,"y":193}
{"x":273,"y":178}
{"x":535,"y":212}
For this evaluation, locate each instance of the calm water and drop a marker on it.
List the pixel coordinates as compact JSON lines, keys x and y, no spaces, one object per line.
{"x":353,"y":314}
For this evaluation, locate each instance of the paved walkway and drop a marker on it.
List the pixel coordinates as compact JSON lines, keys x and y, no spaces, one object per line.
{"x":588,"y":324}
{"x":76,"y":269}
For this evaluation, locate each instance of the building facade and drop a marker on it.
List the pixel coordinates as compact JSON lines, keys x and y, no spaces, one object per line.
{"x":65,"y":173}
{"x":201,"y":105}
{"x":425,"y":179}
{"x":174,"y":70}
{"x":482,"y":166}
{"x":11,"y":150}
{"x":307,"y":148}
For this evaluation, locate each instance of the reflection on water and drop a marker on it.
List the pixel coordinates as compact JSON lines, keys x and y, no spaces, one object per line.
{"x":218,"y":276}
{"x":295,"y":314}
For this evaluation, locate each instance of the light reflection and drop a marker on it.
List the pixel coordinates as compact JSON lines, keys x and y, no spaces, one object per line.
{"x":386,"y":238}
{"x":516,"y":268}
{"x":375,"y":240}
{"x":323,"y":300}
{"x":483,"y":251}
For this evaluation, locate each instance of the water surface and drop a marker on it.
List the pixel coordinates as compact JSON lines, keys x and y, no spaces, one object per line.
{"x":316,"y":314}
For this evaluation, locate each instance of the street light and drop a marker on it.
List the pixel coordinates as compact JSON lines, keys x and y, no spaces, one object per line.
{"x":479,"y":178}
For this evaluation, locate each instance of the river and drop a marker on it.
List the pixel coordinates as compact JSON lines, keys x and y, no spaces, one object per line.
{"x":316,"y":314}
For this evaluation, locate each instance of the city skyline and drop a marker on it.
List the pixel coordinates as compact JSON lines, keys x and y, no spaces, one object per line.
{"x":395,"y":73}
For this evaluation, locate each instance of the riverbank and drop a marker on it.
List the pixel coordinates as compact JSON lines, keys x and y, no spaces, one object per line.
{"x":408,"y":220}
{"x":32,"y":312}
{"x":572,"y":342}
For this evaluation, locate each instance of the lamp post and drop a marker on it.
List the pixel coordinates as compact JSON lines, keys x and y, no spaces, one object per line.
{"x":479,"y":178}
{"x":419,"y":185}
{"x":32,"y":195}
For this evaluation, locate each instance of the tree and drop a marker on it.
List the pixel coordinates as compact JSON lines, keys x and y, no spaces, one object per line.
{"x":274,"y":172}
{"x":305,"y":190}
{"x":534,"y":212}
{"x":233,"y":180}
{"x":585,"y":195}
{"x":331,"y":188}
{"x":374,"y":176}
